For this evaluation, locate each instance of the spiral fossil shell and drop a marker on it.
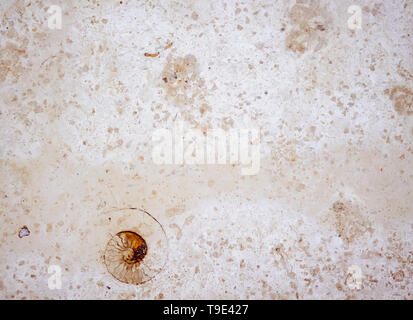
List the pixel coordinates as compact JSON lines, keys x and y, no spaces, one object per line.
{"x":139,"y":253}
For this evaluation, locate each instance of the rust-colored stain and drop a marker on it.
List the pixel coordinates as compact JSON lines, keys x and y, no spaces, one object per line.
{"x":402,"y":99}
{"x":349,"y":223}
{"x":308,"y":25}
{"x":170,"y":44}
{"x":181,"y":80}
{"x":151,"y":55}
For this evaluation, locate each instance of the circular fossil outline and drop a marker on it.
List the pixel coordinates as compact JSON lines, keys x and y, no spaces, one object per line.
{"x":130,"y":258}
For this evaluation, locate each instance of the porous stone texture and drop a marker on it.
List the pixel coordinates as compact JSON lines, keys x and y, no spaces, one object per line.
{"x":79,"y":106}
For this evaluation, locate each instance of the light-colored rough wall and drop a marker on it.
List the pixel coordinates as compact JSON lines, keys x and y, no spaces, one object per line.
{"x":79,"y":107}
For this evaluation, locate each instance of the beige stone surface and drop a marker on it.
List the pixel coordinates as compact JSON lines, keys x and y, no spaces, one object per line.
{"x":79,"y":107}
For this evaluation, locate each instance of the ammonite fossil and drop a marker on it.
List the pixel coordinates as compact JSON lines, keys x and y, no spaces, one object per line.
{"x":139,"y":253}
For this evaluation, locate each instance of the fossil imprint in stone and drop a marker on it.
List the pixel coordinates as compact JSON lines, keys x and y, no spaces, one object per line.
{"x":139,"y":252}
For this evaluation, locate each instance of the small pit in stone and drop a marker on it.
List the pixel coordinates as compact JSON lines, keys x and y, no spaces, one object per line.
{"x":24,"y":232}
